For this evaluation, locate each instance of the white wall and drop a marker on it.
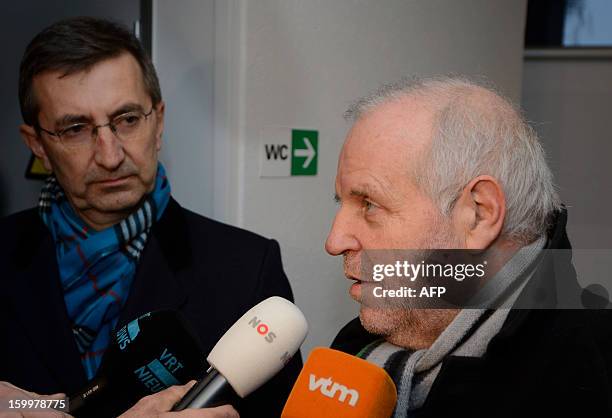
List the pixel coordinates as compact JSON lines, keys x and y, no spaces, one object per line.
{"x":183,"y":55}
{"x":299,"y":64}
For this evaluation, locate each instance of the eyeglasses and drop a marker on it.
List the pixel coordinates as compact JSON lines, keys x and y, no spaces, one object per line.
{"x":126,"y":127}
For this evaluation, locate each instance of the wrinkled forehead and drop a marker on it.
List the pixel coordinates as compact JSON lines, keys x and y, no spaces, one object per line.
{"x":388,"y":140}
{"x":105,"y":85}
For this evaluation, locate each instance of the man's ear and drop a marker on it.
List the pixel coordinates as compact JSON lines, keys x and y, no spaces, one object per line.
{"x":32,"y":140}
{"x":480,"y":211}
{"x":159,"y":128}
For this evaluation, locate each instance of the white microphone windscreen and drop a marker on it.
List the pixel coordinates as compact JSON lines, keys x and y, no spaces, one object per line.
{"x":259,"y":344}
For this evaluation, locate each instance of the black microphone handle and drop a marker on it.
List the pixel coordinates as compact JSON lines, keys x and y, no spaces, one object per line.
{"x":213,"y":390}
{"x":81,"y":400}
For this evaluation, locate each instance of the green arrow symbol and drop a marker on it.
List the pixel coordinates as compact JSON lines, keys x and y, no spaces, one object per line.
{"x":309,"y":153}
{"x":304,"y":152}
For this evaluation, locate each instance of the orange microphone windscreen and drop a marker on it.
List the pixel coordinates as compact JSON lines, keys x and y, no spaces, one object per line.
{"x":336,"y":384}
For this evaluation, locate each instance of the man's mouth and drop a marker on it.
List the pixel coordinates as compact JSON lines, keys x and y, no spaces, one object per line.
{"x":113,"y":181}
{"x":355,"y":289}
{"x":354,"y":278}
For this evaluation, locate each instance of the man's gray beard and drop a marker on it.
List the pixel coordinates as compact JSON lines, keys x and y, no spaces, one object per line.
{"x":414,"y":328}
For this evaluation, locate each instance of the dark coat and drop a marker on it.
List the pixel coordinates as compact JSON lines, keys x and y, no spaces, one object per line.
{"x":543,"y":363}
{"x":210,"y":272}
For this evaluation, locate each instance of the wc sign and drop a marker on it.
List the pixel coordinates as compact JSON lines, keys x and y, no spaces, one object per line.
{"x":288,"y":152}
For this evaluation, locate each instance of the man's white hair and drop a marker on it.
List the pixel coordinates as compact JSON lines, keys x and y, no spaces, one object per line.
{"x":477,"y":132}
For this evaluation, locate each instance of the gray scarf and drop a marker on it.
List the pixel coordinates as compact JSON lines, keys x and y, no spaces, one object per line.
{"x":468,"y":335}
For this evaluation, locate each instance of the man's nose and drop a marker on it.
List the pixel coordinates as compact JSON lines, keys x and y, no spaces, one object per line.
{"x":109,"y":152}
{"x":341,"y":237}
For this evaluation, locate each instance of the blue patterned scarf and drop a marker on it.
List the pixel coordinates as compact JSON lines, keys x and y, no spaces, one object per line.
{"x":97,"y":267}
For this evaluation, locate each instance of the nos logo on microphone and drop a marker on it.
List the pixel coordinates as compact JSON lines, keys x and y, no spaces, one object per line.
{"x":262,"y":329}
{"x":330,"y":388}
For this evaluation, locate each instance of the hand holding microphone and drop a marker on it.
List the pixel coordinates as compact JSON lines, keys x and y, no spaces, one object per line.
{"x":159,"y":404}
{"x":251,"y":352}
{"x":149,"y":354}
{"x":335,"y":384}
{"x":157,"y":351}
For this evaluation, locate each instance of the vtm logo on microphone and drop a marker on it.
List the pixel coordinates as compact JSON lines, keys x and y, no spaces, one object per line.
{"x":262,"y":329}
{"x":329,"y":388}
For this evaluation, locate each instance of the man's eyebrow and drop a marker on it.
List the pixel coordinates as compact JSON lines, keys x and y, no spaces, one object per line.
{"x":379,"y":189}
{"x":359,"y":193}
{"x":127,"y":108}
{"x":362,"y":191}
{"x":71,"y":119}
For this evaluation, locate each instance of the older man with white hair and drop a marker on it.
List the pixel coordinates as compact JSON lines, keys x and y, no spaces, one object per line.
{"x":446,"y":163}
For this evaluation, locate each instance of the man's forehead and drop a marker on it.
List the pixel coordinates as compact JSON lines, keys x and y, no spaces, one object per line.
{"x":372,"y":174}
{"x":386,"y":141}
{"x":402,"y":120}
{"x":105,"y":84}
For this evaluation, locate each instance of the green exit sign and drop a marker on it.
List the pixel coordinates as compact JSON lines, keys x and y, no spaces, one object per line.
{"x":304,"y":150}
{"x":289,"y":152}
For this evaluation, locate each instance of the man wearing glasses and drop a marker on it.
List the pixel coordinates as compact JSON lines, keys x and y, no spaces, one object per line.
{"x":108,"y":242}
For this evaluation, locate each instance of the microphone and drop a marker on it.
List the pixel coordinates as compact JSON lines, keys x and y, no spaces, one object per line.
{"x":149,"y":354}
{"x":251,"y":352}
{"x":335,"y":384}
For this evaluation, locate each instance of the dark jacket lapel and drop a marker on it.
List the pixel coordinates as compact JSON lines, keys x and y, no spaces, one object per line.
{"x":41,"y":309}
{"x":161,"y":276}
